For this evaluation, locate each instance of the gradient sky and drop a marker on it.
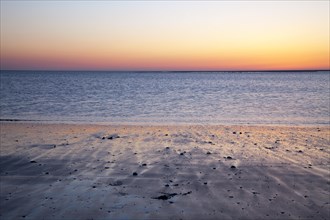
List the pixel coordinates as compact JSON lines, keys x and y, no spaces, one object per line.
{"x":165,"y":35}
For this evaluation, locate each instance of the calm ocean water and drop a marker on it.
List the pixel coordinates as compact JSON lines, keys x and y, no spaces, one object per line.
{"x":295,"y":98}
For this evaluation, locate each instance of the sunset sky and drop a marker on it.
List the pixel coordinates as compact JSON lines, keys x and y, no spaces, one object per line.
{"x":165,"y":35}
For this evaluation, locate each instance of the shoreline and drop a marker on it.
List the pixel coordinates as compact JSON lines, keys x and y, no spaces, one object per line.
{"x":75,"y":171}
{"x":141,"y":123}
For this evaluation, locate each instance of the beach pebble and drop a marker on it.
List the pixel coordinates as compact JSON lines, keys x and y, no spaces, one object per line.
{"x":233,"y":167}
{"x":208,"y":152}
{"x":135,"y":174}
{"x":166,"y":196}
{"x":162,"y":197}
{"x":113,"y":136}
{"x":187,"y":193}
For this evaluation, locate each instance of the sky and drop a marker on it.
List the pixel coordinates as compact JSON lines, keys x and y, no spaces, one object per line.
{"x":165,"y":35}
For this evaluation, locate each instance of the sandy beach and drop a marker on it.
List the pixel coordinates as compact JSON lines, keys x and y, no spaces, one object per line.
{"x":63,"y":171}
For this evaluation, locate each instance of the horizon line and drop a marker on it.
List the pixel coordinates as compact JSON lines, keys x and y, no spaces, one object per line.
{"x":93,"y":70}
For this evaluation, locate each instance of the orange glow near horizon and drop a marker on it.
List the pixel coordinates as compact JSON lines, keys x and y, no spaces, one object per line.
{"x":165,"y":35}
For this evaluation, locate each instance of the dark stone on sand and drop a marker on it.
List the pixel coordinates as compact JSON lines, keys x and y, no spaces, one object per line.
{"x":103,"y":138}
{"x":240,"y":133}
{"x":113,"y":136}
{"x":166,"y":134}
{"x":300,"y":151}
{"x":234,"y":132}
{"x":181,"y":153}
{"x":208,"y":152}
{"x":205,"y":183}
{"x":269,"y":147}
{"x":94,"y":186}
{"x":167,"y":148}
{"x":33,"y":161}
{"x":54,"y":146}
{"x":106,"y":167}
{"x":166,"y":196}
{"x":47,"y":173}
{"x":229,"y":158}
{"x":135,"y":174}
{"x":163,"y":197}
{"x":167,"y":185}
{"x":144,"y":164}
{"x":187,"y":193}
{"x":233,"y":167}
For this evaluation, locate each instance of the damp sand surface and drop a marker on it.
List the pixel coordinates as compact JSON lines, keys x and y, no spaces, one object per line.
{"x":67,"y":171}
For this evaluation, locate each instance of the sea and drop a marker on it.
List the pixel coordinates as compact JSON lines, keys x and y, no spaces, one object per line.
{"x":207,"y":98}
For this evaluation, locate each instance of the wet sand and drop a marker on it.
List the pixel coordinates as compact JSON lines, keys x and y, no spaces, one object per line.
{"x":57,"y":171}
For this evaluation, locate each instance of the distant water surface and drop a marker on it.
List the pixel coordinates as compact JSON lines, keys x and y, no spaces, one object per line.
{"x":289,"y":98}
